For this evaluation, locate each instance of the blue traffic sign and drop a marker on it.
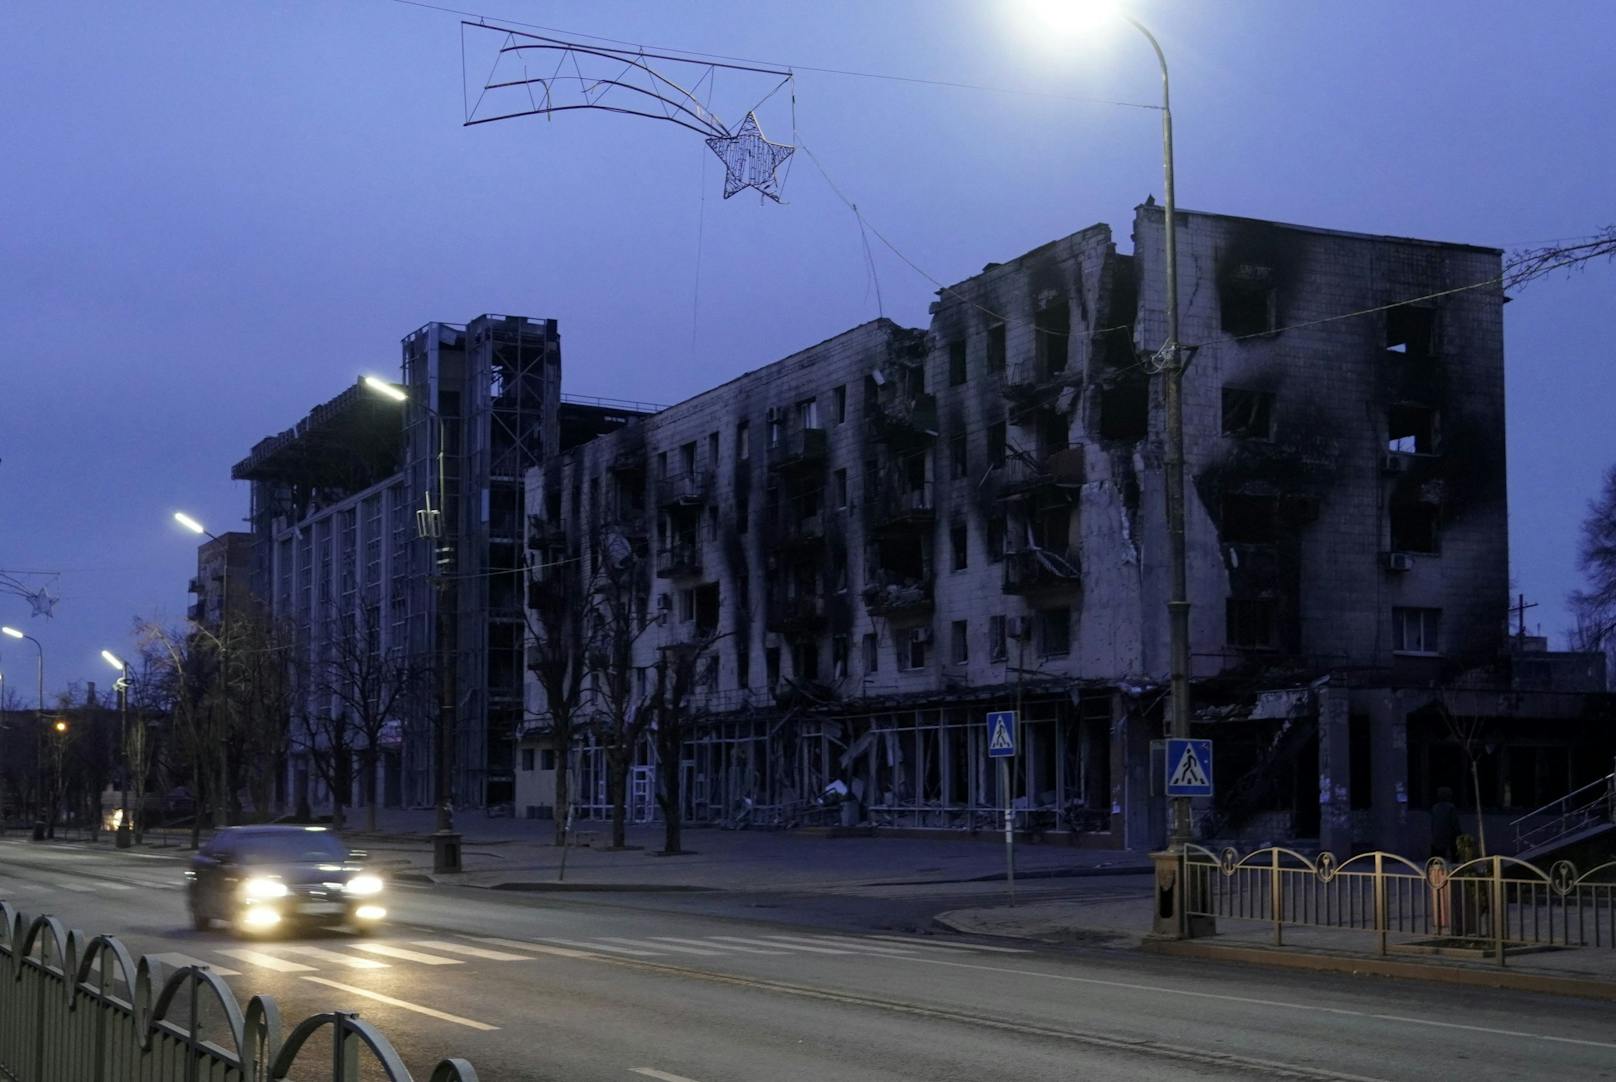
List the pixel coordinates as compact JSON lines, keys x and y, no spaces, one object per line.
{"x":1189,"y":767}
{"x":1001,"y":734}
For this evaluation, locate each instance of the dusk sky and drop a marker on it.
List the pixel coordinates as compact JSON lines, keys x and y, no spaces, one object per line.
{"x":219,"y":215}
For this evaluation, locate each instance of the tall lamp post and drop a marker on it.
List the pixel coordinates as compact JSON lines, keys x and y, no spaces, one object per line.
{"x":430,"y":526}
{"x":123,"y":837}
{"x":222,"y":811}
{"x":15,"y":634}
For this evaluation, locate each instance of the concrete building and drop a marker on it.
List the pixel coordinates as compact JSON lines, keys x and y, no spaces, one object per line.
{"x":223,"y":581}
{"x":355,"y":551}
{"x":882,"y":537}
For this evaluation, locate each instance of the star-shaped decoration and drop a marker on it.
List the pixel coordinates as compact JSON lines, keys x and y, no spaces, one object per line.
{"x":42,"y":601}
{"x":749,"y":159}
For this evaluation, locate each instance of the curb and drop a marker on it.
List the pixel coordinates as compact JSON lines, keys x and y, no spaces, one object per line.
{"x":1078,"y":937}
{"x":1320,"y":962}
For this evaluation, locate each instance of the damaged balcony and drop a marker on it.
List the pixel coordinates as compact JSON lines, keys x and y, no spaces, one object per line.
{"x":901,"y":415}
{"x":684,"y":491}
{"x":680,"y":560}
{"x":545,"y":534}
{"x":889,"y":594}
{"x":628,"y":460}
{"x":1023,"y":474}
{"x":797,"y":533}
{"x":801,"y":448}
{"x":904,"y":509}
{"x":1037,"y":570}
{"x":802,"y":615}
{"x":1028,"y":381}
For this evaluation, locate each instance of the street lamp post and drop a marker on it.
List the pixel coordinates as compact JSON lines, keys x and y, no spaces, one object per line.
{"x":222,"y":812}
{"x":123,"y":837}
{"x":445,"y":841}
{"x":15,"y":634}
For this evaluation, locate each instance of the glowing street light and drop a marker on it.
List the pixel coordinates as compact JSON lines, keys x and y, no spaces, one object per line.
{"x":189,"y":523}
{"x":11,"y":632}
{"x":123,"y":838}
{"x":381,"y":386}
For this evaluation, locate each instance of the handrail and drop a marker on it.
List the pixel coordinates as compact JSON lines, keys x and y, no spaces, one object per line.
{"x":1564,"y":818}
{"x":1602,"y":783}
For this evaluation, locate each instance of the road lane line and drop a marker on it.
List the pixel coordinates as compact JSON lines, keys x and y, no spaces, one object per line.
{"x":180,"y":961}
{"x":771,"y":942}
{"x":666,"y":946}
{"x":471,"y":952}
{"x":593,"y":946}
{"x":663,"y":1076}
{"x":536,"y":948}
{"x":864,"y":945}
{"x":407,"y":956}
{"x":726,"y":946}
{"x":947,"y":946}
{"x":349,"y":960}
{"x":404,"y":1004}
{"x":268,"y":961}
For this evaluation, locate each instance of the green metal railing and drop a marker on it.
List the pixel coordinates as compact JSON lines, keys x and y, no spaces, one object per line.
{"x":80,"y":1009}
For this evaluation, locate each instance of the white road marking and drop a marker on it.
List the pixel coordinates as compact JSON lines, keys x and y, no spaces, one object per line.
{"x":665,"y":946}
{"x":592,"y":946}
{"x":664,"y":1076}
{"x":180,"y":961}
{"x":864,"y":945}
{"x":349,"y":960}
{"x":106,"y":885}
{"x":948,"y":946}
{"x":405,"y":1004}
{"x":771,"y":942}
{"x":706,"y":943}
{"x":268,"y":961}
{"x":77,"y":888}
{"x":536,"y":948}
{"x":472,"y":952}
{"x":408,"y":956}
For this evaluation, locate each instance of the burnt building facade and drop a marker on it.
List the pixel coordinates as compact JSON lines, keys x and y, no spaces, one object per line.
{"x":879,"y":539}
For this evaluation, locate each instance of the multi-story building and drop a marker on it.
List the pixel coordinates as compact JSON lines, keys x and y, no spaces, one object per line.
{"x":223,"y":581}
{"x":881,"y":538}
{"x":361,"y":532}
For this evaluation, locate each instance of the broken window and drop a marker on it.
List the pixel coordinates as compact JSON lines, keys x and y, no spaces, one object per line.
{"x":961,"y":644}
{"x":995,"y":529}
{"x":1410,"y":331}
{"x":1051,"y":527}
{"x":743,"y":441}
{"x":1054,"y":433}
{"x":1055,"y":631}
{"x":872,"y":653}
{"x":838,"y":657}
{"x":996,"y":443}
{"x":838,"y":569}
{"x":1054,"y":332}
{"x":1248,"y":414}
{"x":1411,"y":430}
{"x":706,"y":608}
{"x":959,"y":467}
{"x":1250,"y":623}
{"x":1125,"y":411}
{"x":840,"y":396}
{"x":743,"y":666}
{"x":1414,"y":527}
{"x":805,"y":660}
{"x":712,"y":450}
{"x":687,"y":605}
{"x":956,"y":362}
{"x":808,"y":413}
{"x":957,"y":539}
{"x":996,"y":639}
{"x":841,"y":488}
{"x":687,"y":457}
{"x":1247,"y":301}
{"x":1414,"y":631}
{"x":771,"y":666}
{"x":1249,"y":518}
{"x":912,"y":655}
{"x":996,"y":351}
{"x":712,"y":523}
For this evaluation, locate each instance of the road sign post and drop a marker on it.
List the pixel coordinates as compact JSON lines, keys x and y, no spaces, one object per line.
{"x":1002,"y":746}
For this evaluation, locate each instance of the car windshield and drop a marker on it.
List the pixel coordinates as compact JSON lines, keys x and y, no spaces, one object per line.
{"x":290,"y":847}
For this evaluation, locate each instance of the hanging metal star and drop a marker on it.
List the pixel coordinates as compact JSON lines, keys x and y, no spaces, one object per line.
{"x":42,"y":601}
{"x":750,"y":160}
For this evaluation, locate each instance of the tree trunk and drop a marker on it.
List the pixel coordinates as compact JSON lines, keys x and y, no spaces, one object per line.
{"x":562,"y":795}
{"x":668,"y":784}
{"x":368,"y":765}
{"x":617,"y":782}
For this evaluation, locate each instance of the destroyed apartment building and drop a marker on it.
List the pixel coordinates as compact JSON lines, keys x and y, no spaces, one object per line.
{"x":877,"y":540}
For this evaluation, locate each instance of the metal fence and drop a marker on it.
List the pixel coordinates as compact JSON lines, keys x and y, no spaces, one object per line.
{"x":1489,"y":904}
{"x":78,"y":1009}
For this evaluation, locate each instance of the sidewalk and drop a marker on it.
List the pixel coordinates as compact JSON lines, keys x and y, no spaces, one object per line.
{"x":1584,"y":971}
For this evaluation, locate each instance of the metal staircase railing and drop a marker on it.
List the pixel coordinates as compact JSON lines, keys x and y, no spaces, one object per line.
{"x":1591,"y":805}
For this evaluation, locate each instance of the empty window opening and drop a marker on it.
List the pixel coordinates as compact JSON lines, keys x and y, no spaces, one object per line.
{"x":872,"y":653}
{"x":995,"y":540}
{"x":996,"y":443}
{"x":1054,"y":334}
{"x":1055,"y":631}
{"x":1125,"y":411}
{"x":1250,"y":623}
{"x":1248,"y":414}
{"x":706,"y":602}
{"x":1414,"y":527}
{"x":957,"y":372}
{"x":957,"y":538}
{"x":1051,"y":527}
{"x":996,"y":638}
{"x":1247,"y":301}
{"x":687,"y":457}
{"x":841,"y":404}
{"x":838,"y":657}
{"x":960,"y":645}
{"x":805,"y":660}
{"x":959,"y":465}
{"x":912,"y":647}
{"x":841,"y":488}
{"x":1410,"y":331}
{"x":1249,"y":519}
{"x":771,"y":666}
{"x":1411,"y":430}
{"x":743,"y":666}
{"x":743,"y":441}
{"x":996,"y":350}
{"x":743,"y":514}
{"x":1414,"y":631}
{"x":901,"y":559}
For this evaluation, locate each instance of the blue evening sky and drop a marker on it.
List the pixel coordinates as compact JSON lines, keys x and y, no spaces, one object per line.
{"x":217,"y":215}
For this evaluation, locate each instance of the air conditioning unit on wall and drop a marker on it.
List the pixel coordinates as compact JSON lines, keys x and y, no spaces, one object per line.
{"x":1392,"y":462}
{"x":1399,"y":561}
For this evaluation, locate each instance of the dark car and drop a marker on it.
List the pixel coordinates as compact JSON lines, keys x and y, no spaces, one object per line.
{"x":255,"y":878}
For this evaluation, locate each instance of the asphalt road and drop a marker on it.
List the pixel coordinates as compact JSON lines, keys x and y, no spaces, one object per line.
{"x":583,"y":987}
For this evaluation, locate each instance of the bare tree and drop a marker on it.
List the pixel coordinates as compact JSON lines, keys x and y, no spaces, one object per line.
{"x":1529,"y":263}
{"x":1469,"y":732}
{"x":179,"y":661}
{"x":619,"y":691}
{"x":559,"y":618}
{"x":682,"y":671}
{"x":1594,"y":606}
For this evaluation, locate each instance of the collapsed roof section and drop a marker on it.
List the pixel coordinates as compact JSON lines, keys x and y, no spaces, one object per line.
{"x":351,"y":442}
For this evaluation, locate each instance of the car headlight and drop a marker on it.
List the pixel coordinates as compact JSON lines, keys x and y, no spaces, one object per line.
{"x":363,"y":885}
{"x":259,"y":888}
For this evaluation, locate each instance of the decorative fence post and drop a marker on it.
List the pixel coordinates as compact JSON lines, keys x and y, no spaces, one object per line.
{"x":1498,"y":908}
{"x":1380,"y":903}
{"x":1276,"y":898}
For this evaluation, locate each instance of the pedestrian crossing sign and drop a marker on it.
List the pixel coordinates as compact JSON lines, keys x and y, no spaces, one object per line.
{"x":1189,"y":768}
{"x":1001,"y":734}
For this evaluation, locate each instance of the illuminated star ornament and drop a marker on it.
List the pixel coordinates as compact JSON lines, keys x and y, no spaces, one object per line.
{"x":750,"y":160}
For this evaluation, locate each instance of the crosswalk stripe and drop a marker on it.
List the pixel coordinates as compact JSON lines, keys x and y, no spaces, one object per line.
{"x":349,"y":960}
{"x":107,"y":885}
{"x":405,"y":955}
{"x":772,"y":941}
{"x":664,"y":946}
{"x":268,"y":961}
{"x":472,"y":952}
{"x":536,"y":948}
{"x":878,"y":948}
{"x":948,"y":946}
{"x":591,"y":946}
{"x":180,"y":961}
{"x":706,"y":943}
